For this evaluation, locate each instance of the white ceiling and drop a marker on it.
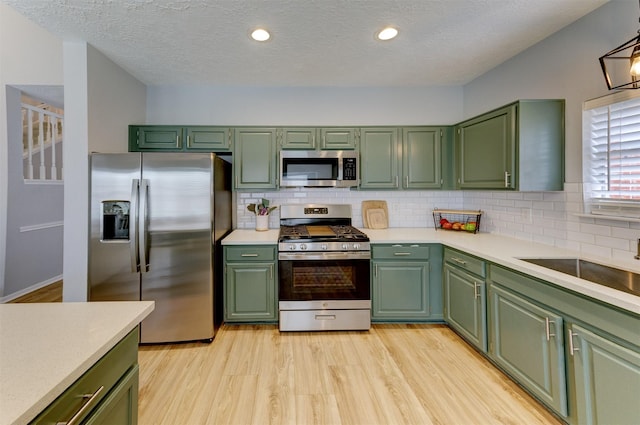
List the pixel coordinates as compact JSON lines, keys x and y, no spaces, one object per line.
{"x":314,"y":43}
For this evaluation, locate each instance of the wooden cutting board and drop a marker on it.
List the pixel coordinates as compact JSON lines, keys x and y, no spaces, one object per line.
{"x":375,"y":205}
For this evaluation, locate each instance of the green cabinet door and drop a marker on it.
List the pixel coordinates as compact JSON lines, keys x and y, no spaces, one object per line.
{"x":606,"y":379}
{"x":400,"y":290}
{"x":155,"y":138}
{"x":526,"y":340}
{"x":464,"y":305}
{"x":208,"y":139}
{"x":302,"y":138}
{"x":338,"y":138}
{"x":421,"y":158}
{"x":250,"y":292}
{"x":254,"y":158}
{"x":379,"y":150}
{"x":121,"y":405}
{"x":485,"y":149}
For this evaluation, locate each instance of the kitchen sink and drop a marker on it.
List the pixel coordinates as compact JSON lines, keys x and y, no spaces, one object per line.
{"x":612,"y":277}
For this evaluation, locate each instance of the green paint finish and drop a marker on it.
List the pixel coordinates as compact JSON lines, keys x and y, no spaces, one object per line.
{"x":526,"y":340}
{"x":156,"y":138}
{"x":335,"y":138}
{"x":379,"y":158}
{"x":254,"y":158}
{"x":607,"y":379}
{"x":121,"y":405}
{"x":517,"y":147}
{"x":421,"y":158}
{"x":302,"y":138}
{"x":464,"y":301}
{"x":209,"y":139}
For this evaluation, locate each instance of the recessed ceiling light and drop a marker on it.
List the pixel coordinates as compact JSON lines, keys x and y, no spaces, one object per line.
{"x":386,"y":33}
{"x":260,"y":34}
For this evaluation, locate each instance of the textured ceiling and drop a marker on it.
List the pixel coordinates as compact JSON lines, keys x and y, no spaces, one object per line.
{"x":314,"y":42}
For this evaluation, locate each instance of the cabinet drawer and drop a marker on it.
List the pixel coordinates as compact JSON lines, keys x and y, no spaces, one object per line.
{"x":97,"y":381}
{"x":466,"y":262}
{"x":250,"y":253}
{"x":400,"y":251}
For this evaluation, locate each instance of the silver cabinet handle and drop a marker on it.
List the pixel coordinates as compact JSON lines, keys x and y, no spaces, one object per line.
{"x":547,"y":326}
{"x":459,"y":261}
{"x":177,"y":141}
{"x":406,"y":184}
{"x":396,"y":183}
{"x":248,"y":255}
{"x":572,"y":347}
{"x":75,"y":419}
{"x":507,"y":179}
{"x":401,"y":254}
{"x":475,"y":290}
{"x":325,"y":317}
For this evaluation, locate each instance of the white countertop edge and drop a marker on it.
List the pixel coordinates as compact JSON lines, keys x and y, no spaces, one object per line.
{"x":499,"y":249}
{"x":35,"y":407}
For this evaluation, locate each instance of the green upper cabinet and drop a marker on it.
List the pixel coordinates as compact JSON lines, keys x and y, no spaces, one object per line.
{"x":517,"y":147}
{"x":301,"y":138}
{"x":167,"y":138}
{"x":337,"y":138}
{"x":404,"y":158}
{"x":379,"y":153}
{"x":254,"y":158}
{"x":311,"y":138}
{"x":155,"y":138}
{"x":209,"y":138}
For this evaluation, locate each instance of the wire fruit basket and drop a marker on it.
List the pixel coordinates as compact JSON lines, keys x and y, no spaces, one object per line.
{"x":457,"y":220}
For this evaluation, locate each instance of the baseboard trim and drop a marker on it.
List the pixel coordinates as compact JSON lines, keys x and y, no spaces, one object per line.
{"x":31,"y":288}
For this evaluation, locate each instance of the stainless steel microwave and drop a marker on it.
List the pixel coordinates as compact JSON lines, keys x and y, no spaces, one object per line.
{"x":318,"y":168}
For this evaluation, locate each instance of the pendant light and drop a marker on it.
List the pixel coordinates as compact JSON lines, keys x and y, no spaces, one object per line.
{"x":621,"y":66}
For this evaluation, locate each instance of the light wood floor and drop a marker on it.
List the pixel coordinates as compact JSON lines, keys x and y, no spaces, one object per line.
{"x":48,"y":294}
{"x":393,"y":374}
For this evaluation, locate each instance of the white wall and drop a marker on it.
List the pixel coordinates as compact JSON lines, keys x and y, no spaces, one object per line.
{"x":565,"y":65}
{"x":312,"y":106}
{"x":29,"y":55}
{"x":101,"y":99}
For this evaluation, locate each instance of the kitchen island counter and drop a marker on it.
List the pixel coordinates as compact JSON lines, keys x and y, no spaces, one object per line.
{"x":46,"y":347}
{"x":499,"y":249}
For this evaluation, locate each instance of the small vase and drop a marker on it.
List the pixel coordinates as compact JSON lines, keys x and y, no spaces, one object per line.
{"x":262,"y":223}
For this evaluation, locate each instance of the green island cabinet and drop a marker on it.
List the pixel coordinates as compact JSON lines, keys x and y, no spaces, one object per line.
{"x":167,"y":138}
{"x":405,"y":282}
{"x":255,"y":158}
{"x":465,"y":309}
{"x":106,"y":394}
{"x":517,"y":147}
{"x":310,"y":138}
{"x":405,"y":158}
{"x":541,"y":333}
{"x":250,"y":276}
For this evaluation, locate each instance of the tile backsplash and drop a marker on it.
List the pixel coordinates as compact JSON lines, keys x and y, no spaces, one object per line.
{"x":544,"y":217}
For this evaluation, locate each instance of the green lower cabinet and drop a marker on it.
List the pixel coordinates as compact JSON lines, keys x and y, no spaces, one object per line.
{"x":121,"y":405}
{"x":526,"y":340}
{"x":405,"y":283}
{"x":464,"y":305}
{"x":250,"y":283}
{"x":606,"y":378}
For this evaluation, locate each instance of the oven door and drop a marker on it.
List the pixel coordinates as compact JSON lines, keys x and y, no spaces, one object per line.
{"x":324,"y":276}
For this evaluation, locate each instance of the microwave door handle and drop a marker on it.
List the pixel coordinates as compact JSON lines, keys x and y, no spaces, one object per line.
{"x":133,"y":226}
{"x":143,"y":233}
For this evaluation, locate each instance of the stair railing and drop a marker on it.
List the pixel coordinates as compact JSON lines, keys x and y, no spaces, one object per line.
{"x":48,"y":126}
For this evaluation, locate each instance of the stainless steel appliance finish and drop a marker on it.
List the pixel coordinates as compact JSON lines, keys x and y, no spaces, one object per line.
{"x":300,"y":168}
{"x":156,"y":223}
{"x":324,"y":270}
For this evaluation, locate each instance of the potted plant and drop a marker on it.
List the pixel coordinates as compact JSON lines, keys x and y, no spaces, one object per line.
{"x":262,"y":211}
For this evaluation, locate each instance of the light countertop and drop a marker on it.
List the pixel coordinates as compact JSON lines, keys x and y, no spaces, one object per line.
{"x":45,"y":347}
{"x":498,"y":249}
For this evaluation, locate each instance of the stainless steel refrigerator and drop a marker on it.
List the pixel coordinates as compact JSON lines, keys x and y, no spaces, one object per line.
{"x":156,"y":224}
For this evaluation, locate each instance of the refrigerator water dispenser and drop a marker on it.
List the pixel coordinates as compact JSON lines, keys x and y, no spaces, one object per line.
{"x":115,"y":220}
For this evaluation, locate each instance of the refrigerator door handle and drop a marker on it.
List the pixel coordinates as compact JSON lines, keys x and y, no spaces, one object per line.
{"x":133,"y":226}
{"x":142,"y":228}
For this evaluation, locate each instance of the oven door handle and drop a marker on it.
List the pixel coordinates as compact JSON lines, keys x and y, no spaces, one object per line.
{"x":333,"y":255}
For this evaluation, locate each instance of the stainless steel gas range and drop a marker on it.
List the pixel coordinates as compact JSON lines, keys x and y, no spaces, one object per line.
{"x":324,"y":269}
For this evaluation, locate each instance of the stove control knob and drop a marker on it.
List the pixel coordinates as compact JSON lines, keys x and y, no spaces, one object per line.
{"x":324,"y":247}
{"x":356,"y":246}
{"x":303,"y":246}
{"x":292,"y":247}
{"x":345,"y":246}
